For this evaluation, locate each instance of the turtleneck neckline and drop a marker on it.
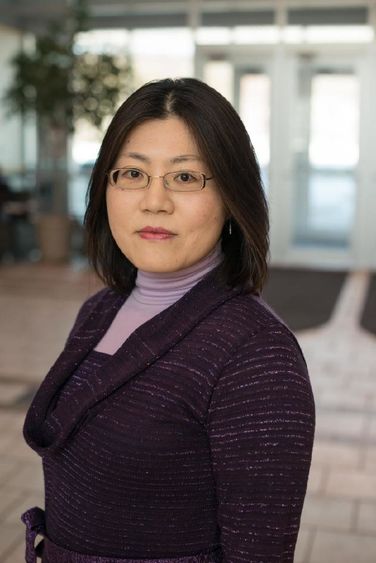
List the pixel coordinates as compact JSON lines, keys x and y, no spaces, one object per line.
{"x":157,"y":288}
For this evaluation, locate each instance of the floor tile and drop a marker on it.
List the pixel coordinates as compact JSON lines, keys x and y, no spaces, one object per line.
{"x":7,"y":469}
{"x":328,"y":513}
{"x":331,"y":453}
{"x":9,"y":498}
{"x":16,"y":555}
{"x":10,"y":393}
{"x":303,"y":545}
{"x":5,"y":444}
{"x":29,"y":477}
{"x":340,"y":425}
{"x":335,"y":547}
{"x":24,"y":502}
{"x":351,"y":484}
{"x":316,"y":479}
{"x":12,"y":423}
{"x":370,"y":459}
{"x":336,"y":399}
{"x":32,"y":357}
{"x":19,"y":450}
{"x":366,"y":521}
{"x":10,"y":536}
{"x":372,"y":427}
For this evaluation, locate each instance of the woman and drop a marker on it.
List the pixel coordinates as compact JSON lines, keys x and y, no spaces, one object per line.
{"x":177,"y":424}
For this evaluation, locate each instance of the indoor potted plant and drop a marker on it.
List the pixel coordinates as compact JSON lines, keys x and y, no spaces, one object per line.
{"x":59,"y":87}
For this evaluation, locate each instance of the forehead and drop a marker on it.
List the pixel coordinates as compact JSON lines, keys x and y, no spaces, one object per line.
{"x":157,"y":137}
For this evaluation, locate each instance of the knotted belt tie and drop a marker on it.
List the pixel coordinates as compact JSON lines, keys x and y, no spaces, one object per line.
{"x":34,"y":520}
{"x":35,"y":525}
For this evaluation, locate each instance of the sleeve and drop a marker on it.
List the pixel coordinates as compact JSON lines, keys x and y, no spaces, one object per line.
{"x":260,"y":425}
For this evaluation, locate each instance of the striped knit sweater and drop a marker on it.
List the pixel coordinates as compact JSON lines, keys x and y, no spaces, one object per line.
{"x":195,"y":435}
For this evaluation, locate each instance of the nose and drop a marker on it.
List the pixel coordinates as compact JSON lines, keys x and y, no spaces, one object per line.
{"x":156,"y":198}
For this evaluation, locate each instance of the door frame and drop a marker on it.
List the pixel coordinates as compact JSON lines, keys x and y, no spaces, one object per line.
{"x":281,"y":62}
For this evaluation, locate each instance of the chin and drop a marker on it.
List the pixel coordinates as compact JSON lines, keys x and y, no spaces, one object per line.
{"x":154,"y":266}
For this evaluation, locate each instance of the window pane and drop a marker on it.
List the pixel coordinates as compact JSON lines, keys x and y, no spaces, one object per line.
{"x":326,"y":159}
{"x":219,"y":74}
{"x":254,"y":108}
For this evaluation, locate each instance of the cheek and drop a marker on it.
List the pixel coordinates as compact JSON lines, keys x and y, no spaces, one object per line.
{"x":110,"y":206}
{"x":116,"y":211}
{"x":210,"y":214}
{"x":206,"y":227}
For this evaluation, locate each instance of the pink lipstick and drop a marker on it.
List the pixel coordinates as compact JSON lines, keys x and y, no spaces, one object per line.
{"x":155,"y":233}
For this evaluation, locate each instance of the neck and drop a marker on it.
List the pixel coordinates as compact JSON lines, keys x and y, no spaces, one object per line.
{"x":157,"y":288}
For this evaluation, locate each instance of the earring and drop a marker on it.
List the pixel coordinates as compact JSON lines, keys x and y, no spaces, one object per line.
{"x":230,"y":228}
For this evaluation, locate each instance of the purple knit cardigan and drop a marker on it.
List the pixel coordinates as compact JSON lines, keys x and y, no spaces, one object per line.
{"x":192,"y":443}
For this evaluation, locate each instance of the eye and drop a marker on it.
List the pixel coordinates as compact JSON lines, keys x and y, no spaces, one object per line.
{"x":131,"y":174}
{"x":127,"y":178}
{"x":186,"y":177}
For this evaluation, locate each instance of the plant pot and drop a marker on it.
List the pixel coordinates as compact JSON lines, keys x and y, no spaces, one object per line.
{"x":54,"y":234}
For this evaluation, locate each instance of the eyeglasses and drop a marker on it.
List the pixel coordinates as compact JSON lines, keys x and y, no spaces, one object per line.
{"x":180,"y":181}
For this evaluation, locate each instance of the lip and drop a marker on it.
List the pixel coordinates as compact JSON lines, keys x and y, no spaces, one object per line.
{"x":155,"y":230}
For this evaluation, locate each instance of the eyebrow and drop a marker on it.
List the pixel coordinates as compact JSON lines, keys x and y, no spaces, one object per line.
{"x":174,"y":160}
{"x":184,"y":157}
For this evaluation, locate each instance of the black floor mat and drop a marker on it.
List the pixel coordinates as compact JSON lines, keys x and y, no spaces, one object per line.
{"x":303,"y":298}
{"x":368,"y":320}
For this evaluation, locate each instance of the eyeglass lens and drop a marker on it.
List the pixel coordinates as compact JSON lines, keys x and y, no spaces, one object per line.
{"x":182,"y":180}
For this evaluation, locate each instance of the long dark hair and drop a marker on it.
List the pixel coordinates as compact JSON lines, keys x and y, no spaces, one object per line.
{"x":224,"y":144}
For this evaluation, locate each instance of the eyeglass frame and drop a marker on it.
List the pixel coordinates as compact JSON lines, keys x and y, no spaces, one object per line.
{"x":204,"y":178}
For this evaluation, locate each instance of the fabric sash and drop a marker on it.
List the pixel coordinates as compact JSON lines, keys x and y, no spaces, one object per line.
{"x":34,"y":519}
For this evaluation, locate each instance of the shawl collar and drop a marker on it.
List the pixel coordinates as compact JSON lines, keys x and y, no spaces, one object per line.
{"x":144,"y":346}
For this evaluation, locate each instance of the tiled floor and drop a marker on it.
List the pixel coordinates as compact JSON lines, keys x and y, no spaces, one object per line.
{"x":38,"y":305}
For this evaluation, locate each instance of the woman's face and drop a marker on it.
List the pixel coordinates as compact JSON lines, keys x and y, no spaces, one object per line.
{"x":195,"y":218}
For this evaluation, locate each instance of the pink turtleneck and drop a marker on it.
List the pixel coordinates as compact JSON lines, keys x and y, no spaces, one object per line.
{"x":152,"y":293}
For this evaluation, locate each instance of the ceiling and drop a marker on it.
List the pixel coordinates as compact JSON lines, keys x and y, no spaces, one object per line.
{"x":32,"y":15}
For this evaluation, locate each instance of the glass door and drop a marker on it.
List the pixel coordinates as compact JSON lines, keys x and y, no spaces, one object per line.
{"x":325,"y":154}
{"x":309,"y":113}
{"x":248,"y":87}
{"x":252,"y":100}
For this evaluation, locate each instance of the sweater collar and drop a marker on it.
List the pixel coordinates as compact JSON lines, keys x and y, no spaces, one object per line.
{"x":149,"y":342}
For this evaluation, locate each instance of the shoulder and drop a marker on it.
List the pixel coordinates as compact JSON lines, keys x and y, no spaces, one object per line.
{"x":265,"y":361}
{"x":247,"y":317}
{"x":103,"y":299}
{"x":251,"y":343}
{"x":102,"y":296}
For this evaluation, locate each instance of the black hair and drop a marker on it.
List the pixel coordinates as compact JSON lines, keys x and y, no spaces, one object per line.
{"x":228,"y":152}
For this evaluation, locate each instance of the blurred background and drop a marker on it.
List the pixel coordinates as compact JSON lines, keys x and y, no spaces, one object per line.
{"x":302,"y":75}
